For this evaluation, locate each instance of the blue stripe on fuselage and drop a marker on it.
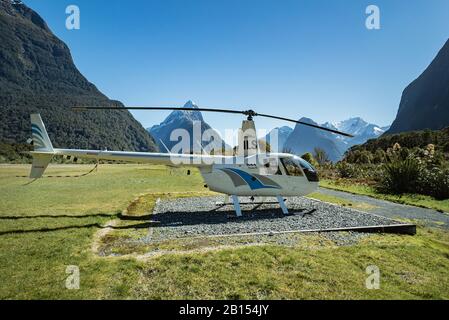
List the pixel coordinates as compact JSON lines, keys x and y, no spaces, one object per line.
{"x":251,"y":180}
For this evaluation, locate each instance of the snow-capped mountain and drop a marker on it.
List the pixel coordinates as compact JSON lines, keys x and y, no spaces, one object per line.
{"x":282,"y":134}
{"x":180,"y":119}
{"x":299,"y":140}
{"x":359,"y":128}
{"x":305,"y":140}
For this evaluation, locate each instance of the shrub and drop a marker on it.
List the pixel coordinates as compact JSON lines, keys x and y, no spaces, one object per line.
{"x":348,"y":170}
{"x":320,"y":156}
{"x":434,"y":182}
{"x":400,"y":176}
{"x":379,"y":156}
{"x":310,"y":159}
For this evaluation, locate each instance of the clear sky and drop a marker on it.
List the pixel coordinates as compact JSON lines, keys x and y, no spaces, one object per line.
{"x":312,"y":58}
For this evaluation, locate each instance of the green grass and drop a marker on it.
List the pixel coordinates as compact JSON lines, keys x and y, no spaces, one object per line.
{"x":340,"y":201}
{"x":410,"y":199}
{"x":51,"y":224}
{"x":411,"y":268}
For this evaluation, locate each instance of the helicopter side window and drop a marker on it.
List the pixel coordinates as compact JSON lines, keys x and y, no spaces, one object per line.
{"x":291,"y":167}
{"x":271,"y":167}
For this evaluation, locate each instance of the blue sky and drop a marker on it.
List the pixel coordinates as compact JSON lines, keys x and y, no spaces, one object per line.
{"x":295,"y":58}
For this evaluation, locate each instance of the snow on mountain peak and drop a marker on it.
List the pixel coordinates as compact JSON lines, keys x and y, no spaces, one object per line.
{"x":193,"y":115}
{"x":190,"y":104}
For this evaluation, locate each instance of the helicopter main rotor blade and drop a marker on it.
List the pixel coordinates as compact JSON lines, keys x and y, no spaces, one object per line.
{"x":249,"y":113}
{"x":82,"y":108}
{"x":306,"y":124}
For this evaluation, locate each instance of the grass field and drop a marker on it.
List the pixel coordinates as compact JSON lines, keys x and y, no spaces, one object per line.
{"x":410,"y":199}
{"x":53,"y":223}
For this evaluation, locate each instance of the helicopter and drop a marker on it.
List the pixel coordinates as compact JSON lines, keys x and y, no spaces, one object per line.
{"x":249,"y":173}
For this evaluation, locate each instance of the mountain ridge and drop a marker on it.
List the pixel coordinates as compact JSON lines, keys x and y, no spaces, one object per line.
{"x":334,"y":145}
{"x":282,"y":135}
{"x":425,"y":101}
{"x":38,"y":75}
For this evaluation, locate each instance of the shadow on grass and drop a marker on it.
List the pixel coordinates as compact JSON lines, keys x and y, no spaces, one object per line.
{"x":89,"y":225}
{"x":57,"y":216}
{"x":165,"y":219}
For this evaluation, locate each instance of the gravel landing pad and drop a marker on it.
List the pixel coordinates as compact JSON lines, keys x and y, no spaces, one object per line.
{"x":201,"y":216}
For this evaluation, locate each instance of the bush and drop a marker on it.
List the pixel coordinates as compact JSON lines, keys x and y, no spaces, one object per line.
{"x":348,"y":170}
{"x":379,"y":156}
{"x":434,"y":182}
{"x":310,"y":159}
{"x":320,"y":155}
{"x":400,"y":176}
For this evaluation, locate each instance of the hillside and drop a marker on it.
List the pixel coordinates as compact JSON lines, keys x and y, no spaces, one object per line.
{"x":410,"y":140}
{"x":37,"y":74}
{"x":425,"y":102}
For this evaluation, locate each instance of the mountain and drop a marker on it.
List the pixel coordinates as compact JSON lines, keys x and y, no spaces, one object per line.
{"x":180,"y":119}
{"x":425,"y":102}
{"x":282,"y":135}
{"x":359,"y":128}
{"x":37,"y":74}
{"x":305,"y":139}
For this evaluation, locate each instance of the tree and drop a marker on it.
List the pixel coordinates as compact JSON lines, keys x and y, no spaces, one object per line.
{"x":320,"y":156}
{"x":309,"y":158}
{"x":379,"y":156}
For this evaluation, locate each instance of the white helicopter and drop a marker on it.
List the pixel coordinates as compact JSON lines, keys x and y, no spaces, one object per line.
{"x":249,"y":174}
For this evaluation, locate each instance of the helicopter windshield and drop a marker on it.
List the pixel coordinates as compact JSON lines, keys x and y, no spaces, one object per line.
{"x":292,"y":167}
{"x":305,"y":165}
{"x":308,"y":169}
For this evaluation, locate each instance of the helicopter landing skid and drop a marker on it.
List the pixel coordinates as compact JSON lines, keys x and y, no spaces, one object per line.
{"x":281,"y":201}
{"x":238,"y":209}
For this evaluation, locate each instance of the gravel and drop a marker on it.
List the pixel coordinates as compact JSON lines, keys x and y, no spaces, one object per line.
{"x":393,"y":210}
{"x":201,"y":216}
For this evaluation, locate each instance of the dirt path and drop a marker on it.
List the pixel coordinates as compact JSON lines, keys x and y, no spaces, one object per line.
{"x":394,"y":210}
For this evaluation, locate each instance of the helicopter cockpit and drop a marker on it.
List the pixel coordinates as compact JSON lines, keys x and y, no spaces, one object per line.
{"x":296,"y":166}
